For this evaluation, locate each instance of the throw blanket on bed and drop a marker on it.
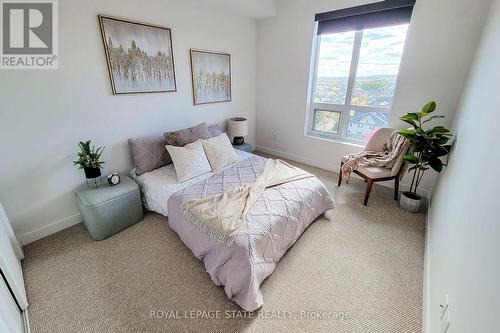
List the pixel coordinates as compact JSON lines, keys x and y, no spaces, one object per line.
{"x":395,"y":146}
{"x":221,"y":216}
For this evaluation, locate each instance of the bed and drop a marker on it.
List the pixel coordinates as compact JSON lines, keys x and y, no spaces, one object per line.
{"x":273,"y":224}
{"x":158,"y":185}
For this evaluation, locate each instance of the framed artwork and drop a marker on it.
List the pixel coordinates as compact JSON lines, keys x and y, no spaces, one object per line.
{"x":211,"y":76}
{"x":139,"y":56}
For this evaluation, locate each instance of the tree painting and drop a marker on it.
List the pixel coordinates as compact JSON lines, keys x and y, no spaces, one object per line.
{"x":211,"y":75}
{"x":139,"y":56}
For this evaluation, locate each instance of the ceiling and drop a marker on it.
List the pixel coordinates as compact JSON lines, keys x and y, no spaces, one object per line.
{"x":257,"y":9}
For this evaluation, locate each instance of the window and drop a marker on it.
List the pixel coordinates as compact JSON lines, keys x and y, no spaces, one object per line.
{"x":355,"y":68}
{"x":326,"y":121}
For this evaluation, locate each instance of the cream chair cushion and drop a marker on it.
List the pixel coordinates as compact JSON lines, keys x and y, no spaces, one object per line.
{"x":375,"y":172}
{"x":372,"y":171}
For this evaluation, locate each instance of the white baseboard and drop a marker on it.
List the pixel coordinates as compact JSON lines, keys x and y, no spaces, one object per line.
{"x":26,"y":321}
{"x":297,"y":158}
{"x":49,"y":229}
{"x":426,"y":321}
{"x":329,"y":167}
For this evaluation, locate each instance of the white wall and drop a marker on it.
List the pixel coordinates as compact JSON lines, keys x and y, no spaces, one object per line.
{"x":463,"y":226}
{"x":251,"y":8}
{"x":438,"y":52}
{"x":43,"y":114}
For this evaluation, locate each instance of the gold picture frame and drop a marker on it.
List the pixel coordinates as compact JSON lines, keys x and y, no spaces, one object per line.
{"x":139,"y":56}
{"x":210,"y":76}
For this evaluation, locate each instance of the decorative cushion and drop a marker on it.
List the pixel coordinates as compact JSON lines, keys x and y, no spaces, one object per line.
{"x":214,"y":130}
{"x":189,"y":161}
{"x":219,"y":151}
{"x":149,"y":154}
{"x":182,"y":137}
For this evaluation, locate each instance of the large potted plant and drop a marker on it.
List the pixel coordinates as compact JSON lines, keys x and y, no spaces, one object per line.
{"x":89,"y":159}
{"x":427,"y":146}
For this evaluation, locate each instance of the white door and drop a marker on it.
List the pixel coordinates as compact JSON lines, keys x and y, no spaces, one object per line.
{"x":13,"y":300}
{"x":11,"y":317}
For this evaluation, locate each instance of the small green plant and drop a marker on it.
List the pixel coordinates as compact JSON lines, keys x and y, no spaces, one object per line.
{"x":88,"y":156}
{"x":427,"y":146}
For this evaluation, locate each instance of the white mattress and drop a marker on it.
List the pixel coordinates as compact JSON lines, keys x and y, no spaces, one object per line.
{"x":158,"y":185}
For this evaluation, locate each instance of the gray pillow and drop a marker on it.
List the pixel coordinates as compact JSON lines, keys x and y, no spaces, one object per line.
{"x":214,"y":130}
{"x":182,"y":137}
{"x":149,"y":154}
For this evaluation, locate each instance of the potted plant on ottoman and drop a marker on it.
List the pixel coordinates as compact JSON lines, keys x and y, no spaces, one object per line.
{"x":89,"y":160}
{"x":427,"y":146}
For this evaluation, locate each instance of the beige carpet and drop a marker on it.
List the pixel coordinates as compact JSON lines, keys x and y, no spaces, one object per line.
{"x":362,"y":262}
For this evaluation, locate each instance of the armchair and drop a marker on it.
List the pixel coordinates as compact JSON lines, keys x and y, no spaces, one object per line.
{"x":373,"y":174}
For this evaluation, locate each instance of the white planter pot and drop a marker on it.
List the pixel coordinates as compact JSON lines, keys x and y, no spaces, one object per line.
{"x":411,"y":205}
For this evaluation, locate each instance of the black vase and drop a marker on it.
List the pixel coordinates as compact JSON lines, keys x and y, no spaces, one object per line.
{"x":91,"y":173}
{"x":238,"y":140}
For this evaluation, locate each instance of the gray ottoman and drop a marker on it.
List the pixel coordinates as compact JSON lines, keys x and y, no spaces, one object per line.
{"x":107,"y":209}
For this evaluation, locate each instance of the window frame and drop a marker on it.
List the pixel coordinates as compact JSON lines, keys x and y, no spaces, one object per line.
{"x":345,"y":108}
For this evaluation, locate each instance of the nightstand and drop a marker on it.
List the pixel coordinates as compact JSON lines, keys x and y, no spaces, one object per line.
{"x":245,"y":147}
{"x":107,"y":209}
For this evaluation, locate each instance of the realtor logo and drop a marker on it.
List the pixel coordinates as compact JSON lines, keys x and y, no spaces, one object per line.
{"x":29,"y":34}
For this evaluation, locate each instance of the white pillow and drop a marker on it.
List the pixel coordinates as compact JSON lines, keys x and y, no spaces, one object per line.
{"x":189,"y":161}
{"x":219,"y":151}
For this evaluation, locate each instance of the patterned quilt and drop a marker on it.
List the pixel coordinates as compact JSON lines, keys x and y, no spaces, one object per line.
{"x":273,"y":225}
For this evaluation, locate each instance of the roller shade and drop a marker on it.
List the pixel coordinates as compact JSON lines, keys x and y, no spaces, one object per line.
{"x":373,"y":15}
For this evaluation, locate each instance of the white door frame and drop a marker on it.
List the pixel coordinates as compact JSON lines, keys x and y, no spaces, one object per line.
{"x":16,"y":245}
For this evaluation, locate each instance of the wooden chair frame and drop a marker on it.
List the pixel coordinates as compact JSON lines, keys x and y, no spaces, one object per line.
{"x":369,"y":182}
